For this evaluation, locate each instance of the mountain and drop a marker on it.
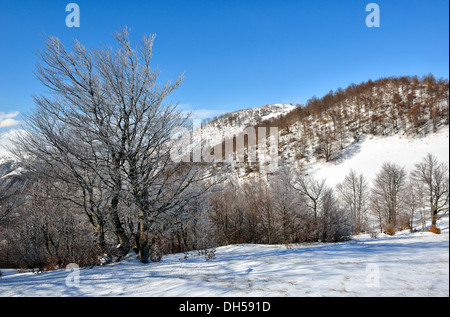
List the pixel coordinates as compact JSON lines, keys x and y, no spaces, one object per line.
{"x":361,"y":126}
{"x":409,"y":115}
{"x":6,"y":139}
{"x":233,"y":123}
{"x":11,"y":171}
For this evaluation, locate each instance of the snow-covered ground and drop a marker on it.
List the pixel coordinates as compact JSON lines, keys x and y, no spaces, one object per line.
{"x":407,"y":264}
{"x":367,"y":156}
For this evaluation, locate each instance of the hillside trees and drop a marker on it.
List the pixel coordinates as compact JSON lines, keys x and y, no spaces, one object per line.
{"x":326,"y":144}
{"x":407,"y":104}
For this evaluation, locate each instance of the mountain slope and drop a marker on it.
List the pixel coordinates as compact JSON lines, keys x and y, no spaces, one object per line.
{"x":326,"y":132}
{"x":233,"y":123}
{"x":8,"y":166}
{"x":368,"y":154}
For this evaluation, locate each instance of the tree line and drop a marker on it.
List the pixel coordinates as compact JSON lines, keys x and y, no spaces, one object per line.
{"x":48,"y":231}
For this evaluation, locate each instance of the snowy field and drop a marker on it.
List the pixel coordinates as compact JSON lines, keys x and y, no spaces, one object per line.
{"x":407,"y":264}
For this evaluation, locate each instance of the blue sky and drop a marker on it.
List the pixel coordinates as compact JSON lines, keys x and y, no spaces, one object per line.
{"x":236,"y":53}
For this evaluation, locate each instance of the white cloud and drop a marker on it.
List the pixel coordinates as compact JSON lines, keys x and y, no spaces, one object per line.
{"x":7,"y":119}
{"x":8,"y":115}
{"x":200,"y":113}
{"x":206,"y":113}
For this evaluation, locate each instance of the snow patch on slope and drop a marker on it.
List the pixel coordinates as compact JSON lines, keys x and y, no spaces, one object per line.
{"x":367,"y":156}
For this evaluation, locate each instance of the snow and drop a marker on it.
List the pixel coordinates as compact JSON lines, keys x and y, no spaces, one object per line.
{"x":233,"y":124}
{"x":407,"y":264}
{"x":281,"y":109}
{"x":367,"y":156}
{"x":6,"y":142}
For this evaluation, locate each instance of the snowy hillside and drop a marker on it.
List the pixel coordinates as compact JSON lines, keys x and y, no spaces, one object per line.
{"x":251,"y":116}
{"x":398,"y":120}
{"x":8,"y":167}
{"x":367,"y":156}
{"x":6,"y":142}
{"x":407,"y":264}
{"x":233,"y":123}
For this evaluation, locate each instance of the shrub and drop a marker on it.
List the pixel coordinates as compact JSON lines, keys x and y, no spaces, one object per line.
{"x":390,"y":231}
{"x":210,"y":254}
{"x":435,"y":230}
{"x":405,"y":226}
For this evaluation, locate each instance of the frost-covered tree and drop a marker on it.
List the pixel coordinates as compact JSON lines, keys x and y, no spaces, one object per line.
{"x":105,"y":126}
{"x":414,"y":200}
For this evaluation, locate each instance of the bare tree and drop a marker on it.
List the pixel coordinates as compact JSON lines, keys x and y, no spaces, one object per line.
{"x":330,"y":222}
{"x":73,"y":137}
{"x":414,"y":201}
{"x":434,"y":177}
{"x":287,"y":205}
{"x":10,"y":199}
{"x":313,"y":190}
{"x":335,"y":223}
{"x":107,"y":129}
{"x":386,"y":193}
{"x":354,"y":193}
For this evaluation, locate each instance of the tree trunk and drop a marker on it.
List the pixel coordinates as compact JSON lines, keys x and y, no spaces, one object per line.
{"x":142,"y":238}
{"x":123,"y":241}
{"x":100,"y":235}
{"x":434,"y":215}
